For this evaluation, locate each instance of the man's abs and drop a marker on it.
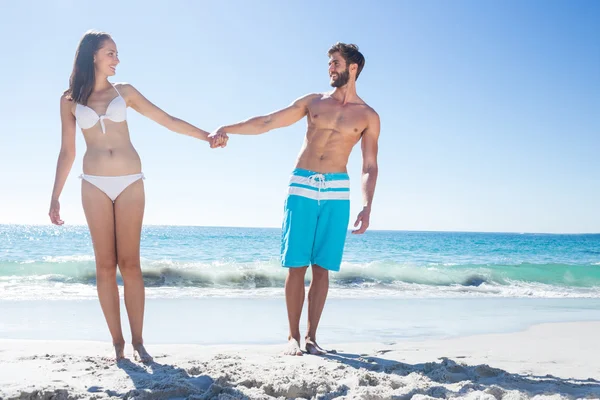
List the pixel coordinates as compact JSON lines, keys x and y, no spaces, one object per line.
{"x":326,"y":151}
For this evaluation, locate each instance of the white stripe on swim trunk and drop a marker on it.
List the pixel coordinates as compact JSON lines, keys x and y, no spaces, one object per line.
{"x":337,"y":184}
{"x":316,"y":195}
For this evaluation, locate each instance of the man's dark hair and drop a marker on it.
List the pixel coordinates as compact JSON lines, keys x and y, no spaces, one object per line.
{"x":350,"y":54}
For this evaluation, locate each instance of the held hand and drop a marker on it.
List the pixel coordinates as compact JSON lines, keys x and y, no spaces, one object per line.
{"x":218,"y":139}
{"x":363,"y":218}
{"x":55,"y":213}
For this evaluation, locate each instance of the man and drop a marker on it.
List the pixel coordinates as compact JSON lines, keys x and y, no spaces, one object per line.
{"x":317,"y":209}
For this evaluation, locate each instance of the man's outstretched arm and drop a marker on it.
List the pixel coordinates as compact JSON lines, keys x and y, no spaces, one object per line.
{"x":370,"y":170}
{"x":278,"y":119}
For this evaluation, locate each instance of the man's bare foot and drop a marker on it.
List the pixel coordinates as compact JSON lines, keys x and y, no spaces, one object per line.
{"x":140,"y":354}
{"x":119,"y":351}
{"x":293,"y":348}
{"x":313,"y":348}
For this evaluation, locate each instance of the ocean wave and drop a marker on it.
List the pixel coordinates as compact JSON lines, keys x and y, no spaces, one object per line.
{"x":268,"y":274}
{"x":45,"y":290}
{"x":68,"y":259}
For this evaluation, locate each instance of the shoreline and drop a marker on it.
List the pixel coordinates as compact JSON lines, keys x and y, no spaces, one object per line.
{"x":545,"y":359}
{"x":209,"y":321}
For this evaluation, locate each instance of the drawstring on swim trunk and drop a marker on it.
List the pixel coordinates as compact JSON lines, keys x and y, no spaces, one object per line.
{"x":319,"y":181}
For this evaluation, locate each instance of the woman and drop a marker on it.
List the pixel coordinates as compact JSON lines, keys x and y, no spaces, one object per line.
{"x":112,"y":187}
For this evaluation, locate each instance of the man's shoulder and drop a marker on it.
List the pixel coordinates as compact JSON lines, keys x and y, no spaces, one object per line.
{"x":314,"y":96}
{"x":307,"y":99}
{"x":369,"y":111}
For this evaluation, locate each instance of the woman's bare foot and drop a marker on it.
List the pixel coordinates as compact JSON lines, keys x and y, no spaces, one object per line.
{"x":293,"y":348}
{"x":140,"y":354}
{"x":313,"y":348}
{"x":119,"y":351}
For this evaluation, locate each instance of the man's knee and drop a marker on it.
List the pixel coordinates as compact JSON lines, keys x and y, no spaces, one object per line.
{"x":297,"y":272}
{"x":319,"y":272}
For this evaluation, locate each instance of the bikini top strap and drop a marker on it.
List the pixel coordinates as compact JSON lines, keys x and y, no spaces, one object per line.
{"x":116,"y":89}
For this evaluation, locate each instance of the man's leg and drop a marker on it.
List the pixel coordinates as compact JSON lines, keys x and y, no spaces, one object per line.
{"x":294,"y":299}
{"x":317,"y":294}
{"x":330,"y":238}
{"x":298,"y":232}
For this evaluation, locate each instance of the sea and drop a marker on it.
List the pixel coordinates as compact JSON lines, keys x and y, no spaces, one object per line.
{"x":57,"y":263}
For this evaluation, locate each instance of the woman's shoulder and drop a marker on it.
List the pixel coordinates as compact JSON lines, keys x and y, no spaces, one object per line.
{"x":126,"y":90}
{"x":65,"y":97}
{"x":66,"y":101}
{"x":123,"y":86}
{"x":67,"y":105}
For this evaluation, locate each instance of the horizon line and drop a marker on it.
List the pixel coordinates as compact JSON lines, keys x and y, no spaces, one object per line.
{"x":369,"y":230}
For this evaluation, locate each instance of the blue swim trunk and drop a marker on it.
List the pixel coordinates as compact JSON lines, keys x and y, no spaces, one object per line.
{"x":315,"y":222}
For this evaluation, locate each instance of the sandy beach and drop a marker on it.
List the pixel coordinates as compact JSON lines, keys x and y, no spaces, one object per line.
{"x":546,"y":361}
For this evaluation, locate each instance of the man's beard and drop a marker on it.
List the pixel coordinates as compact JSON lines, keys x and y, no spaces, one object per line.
{"x":342,"y":79}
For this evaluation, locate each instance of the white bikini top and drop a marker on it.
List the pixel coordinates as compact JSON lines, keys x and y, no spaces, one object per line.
{"x":116,"y":111}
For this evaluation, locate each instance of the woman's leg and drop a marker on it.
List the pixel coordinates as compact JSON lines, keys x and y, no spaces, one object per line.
{"x":129,"y":213}
{"x":99,"y":213}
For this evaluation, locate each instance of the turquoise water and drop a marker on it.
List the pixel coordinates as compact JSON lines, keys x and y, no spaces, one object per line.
{"x":39,"y":262}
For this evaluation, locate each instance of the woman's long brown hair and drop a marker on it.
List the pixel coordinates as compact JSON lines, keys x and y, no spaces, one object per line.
{"x":83,"y":77}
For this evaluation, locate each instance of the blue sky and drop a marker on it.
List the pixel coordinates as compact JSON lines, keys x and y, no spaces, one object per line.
{"x":490,"y":111}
